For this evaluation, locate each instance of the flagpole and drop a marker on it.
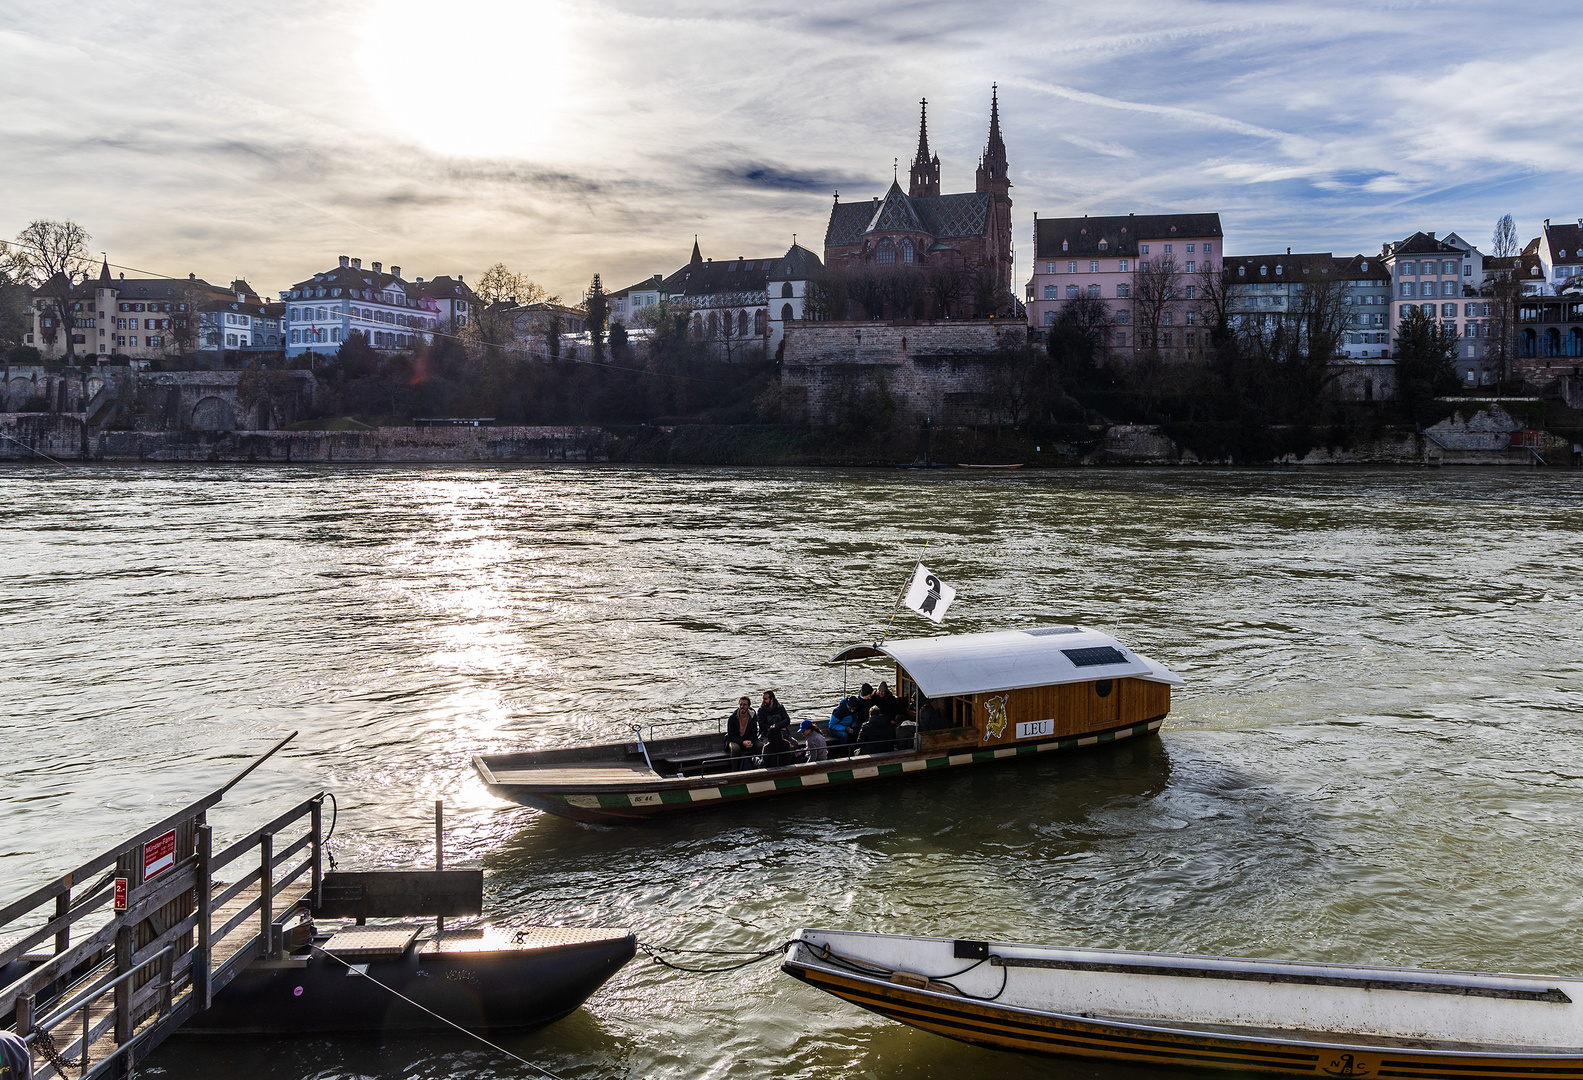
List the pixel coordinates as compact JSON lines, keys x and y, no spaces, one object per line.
{"x":902,"y":594}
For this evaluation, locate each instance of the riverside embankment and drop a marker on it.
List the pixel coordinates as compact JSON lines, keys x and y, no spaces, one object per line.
{"x":1478,"y":435}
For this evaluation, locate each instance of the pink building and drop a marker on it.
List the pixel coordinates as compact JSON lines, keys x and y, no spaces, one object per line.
{"x":1104,"y":257}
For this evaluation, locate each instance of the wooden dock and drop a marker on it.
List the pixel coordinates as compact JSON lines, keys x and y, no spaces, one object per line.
{"x":158,"y":933}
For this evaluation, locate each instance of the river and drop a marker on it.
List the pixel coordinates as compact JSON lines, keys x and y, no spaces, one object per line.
{"x":1376,"y":757}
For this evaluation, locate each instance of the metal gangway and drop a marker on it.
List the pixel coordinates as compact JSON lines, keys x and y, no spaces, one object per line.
{"x":157,"y":935}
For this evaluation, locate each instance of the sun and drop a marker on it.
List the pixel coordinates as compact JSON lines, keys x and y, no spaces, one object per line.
{"x":476,"y":78}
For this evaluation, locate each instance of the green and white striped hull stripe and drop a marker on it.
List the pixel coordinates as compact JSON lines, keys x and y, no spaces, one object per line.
{"x":619,"y":800}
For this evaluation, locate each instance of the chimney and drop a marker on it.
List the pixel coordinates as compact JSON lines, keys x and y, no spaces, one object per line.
{"x":192,"y":277}
{"x":1430,"y":235}
{"x":1288,"y":251}
{"x":395,"y":271}
{"x":376,"y":267}
{"x":459,"y":279}
{"x":345,"y":262}
{"x":357,"y":264}
{"x":420,"y":281}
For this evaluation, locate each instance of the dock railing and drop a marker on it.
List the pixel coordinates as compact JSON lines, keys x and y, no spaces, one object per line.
{"x":157,"y":935}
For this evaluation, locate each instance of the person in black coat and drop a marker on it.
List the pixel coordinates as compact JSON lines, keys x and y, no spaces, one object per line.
{"x":742,"y":734}
{"x":775,"y":728}
{"x":878,"y":734}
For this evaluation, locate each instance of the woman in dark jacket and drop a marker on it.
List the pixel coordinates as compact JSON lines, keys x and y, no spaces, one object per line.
{"x":742,"y":734}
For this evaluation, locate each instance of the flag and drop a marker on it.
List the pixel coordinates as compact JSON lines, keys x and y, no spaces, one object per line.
{"x":928,"y":595}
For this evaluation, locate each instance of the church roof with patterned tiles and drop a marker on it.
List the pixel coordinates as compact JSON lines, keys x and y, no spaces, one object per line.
{"x":1121,"y":233}
{"x":939,"y":216}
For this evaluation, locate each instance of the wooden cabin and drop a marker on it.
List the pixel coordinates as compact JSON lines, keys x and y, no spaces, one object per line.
{"x":997,"y":689}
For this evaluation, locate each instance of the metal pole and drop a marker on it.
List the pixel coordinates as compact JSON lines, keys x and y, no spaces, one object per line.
{"x":204,"y":896}
{"x":318,"y":853}
{"x":439,"y":853}
{"x":266,"y":890}
{"x":903,"y":593}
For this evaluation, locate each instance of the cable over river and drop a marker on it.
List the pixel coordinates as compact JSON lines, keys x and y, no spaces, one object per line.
{"x":1377,"y":757}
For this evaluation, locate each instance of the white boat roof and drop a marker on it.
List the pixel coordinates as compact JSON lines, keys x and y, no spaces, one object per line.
{"x":1013,"y":660}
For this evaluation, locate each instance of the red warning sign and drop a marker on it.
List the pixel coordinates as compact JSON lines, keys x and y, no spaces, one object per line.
{"x":159,"y":855}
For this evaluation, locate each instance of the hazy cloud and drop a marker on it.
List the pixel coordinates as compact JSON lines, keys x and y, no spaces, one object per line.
{"x":571,"y":138}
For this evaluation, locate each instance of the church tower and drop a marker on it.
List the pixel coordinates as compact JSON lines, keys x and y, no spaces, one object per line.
{"x":925,"y":169}
{"x":992,"y":178}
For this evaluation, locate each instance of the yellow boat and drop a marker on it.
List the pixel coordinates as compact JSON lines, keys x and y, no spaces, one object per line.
{"x":1168,"y":1009}
{"x":994,"y":696}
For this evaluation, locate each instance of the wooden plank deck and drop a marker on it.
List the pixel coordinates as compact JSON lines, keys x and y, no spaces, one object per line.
{"x":577,"y":773}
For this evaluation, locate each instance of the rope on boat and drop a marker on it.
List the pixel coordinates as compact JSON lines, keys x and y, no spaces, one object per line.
{"x":754,"y":956}
{"x":494,"y":1046}
{"x":868,"y":970}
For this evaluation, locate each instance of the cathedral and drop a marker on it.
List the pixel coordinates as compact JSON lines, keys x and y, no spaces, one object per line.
{"x":924,"y":229}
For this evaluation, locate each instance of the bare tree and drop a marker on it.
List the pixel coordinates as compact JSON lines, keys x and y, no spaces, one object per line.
{"x":948,"y":282}
{"x":903,"y":290}
{"x":500,"y":283}
{"x":1215,"y":285}
{"x":48,"y":255}
{"x":823,"y":297}
{"x":1500,"y":297}
{"x":1505,"y":242}
{"x":1155,"y":286}
{"x":989,"y":294}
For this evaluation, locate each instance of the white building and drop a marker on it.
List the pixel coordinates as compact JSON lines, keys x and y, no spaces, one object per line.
{"x":1441,"y":278}
{"x":391,"y":312}
{"x":1560,"y":251}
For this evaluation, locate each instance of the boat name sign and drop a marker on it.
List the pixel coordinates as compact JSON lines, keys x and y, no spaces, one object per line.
{"x":1034,"y":728}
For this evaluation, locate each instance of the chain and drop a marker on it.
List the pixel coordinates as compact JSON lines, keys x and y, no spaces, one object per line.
{"x":46,"y":1046}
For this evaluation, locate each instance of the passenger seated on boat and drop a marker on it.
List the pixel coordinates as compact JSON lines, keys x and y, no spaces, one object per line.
{"x":845,"y":719}
{"x":878,"y":735}
{"x":775,"y":728}
{"x":742,"y":734}
{"x":813,"y":741}
{"x":891,"y":705}
{"x":930,"y":718}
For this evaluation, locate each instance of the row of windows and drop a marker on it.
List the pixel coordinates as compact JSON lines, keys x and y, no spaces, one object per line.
{"x":714,"y":326}
{"x":1447,"y":288}
{"x":1143,"y":249}
{"x":148,"y":324}
{"x":144,"y":307}
{"x":1412,"y":269}
{"x":886,"y":253}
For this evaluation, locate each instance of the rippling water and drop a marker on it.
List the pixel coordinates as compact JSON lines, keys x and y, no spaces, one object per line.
{"x":1376,"y":758}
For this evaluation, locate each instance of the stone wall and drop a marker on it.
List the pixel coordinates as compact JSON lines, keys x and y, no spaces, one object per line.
{"x":947,"y":371}
{"x":162,"y":400}
{"x":68,"y":437}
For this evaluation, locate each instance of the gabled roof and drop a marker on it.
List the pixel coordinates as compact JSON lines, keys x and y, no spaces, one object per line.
{"x":445,"y":287}
{"x":895,"y":213}
{"x":1362,"y":268}
{"x":954,"y":216}
{"x":1292,"y":267}
{"x":729,"y":276}
{"x":1120,"y":234}
{"x":848,"y":222}
{"x":798,"y":264}
{"x":1012,"y":660}
{"x":655,"y":283}
{"x":1567,"y":238}
{"x":1421,"y":244}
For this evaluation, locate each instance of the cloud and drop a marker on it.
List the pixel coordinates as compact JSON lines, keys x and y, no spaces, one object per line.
{"x":268,"y":141}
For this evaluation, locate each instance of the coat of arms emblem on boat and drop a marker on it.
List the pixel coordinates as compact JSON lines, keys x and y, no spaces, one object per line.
{"x":995,"y":726}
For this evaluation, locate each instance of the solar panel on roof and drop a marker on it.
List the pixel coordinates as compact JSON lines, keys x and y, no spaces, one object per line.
{"x":1050,"y":631}
{"x":1095,"y":657}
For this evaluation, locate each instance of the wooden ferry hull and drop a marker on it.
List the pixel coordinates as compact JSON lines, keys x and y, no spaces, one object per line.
{"x":656,"y":796}
{"x":1264,"y":1051}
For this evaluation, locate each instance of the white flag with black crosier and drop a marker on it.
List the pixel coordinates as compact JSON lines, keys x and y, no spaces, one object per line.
{"x":928,"y":595}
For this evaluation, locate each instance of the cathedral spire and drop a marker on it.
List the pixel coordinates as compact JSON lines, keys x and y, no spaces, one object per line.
{"x":698,"y":256}
{"x":992,"y":167}
{"x":925,"y":169}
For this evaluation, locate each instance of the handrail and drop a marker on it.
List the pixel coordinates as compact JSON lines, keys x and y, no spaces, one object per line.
{"x":246,"y":843}
{"x":95,"y":991}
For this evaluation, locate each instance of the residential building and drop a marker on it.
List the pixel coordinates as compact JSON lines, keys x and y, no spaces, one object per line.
{"x":390,"y":311}
{"x":924,"y":229}
{"x":138,"y":318}
{"x":627,"y":303}
{"x":786,"y":286}
{"x":1559,"y":249}
{"x":1442,"y":278}
{"x":1112,"y":258}
{"x":237,"y":321}
{"x":1267,"y":291}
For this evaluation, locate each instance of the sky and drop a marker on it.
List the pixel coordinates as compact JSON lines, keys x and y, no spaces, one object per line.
{"x":565,"y":139}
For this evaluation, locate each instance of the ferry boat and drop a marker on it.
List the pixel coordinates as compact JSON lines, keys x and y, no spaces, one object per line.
{"x":995,"y":696}
{"x":1173,"y":1010}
